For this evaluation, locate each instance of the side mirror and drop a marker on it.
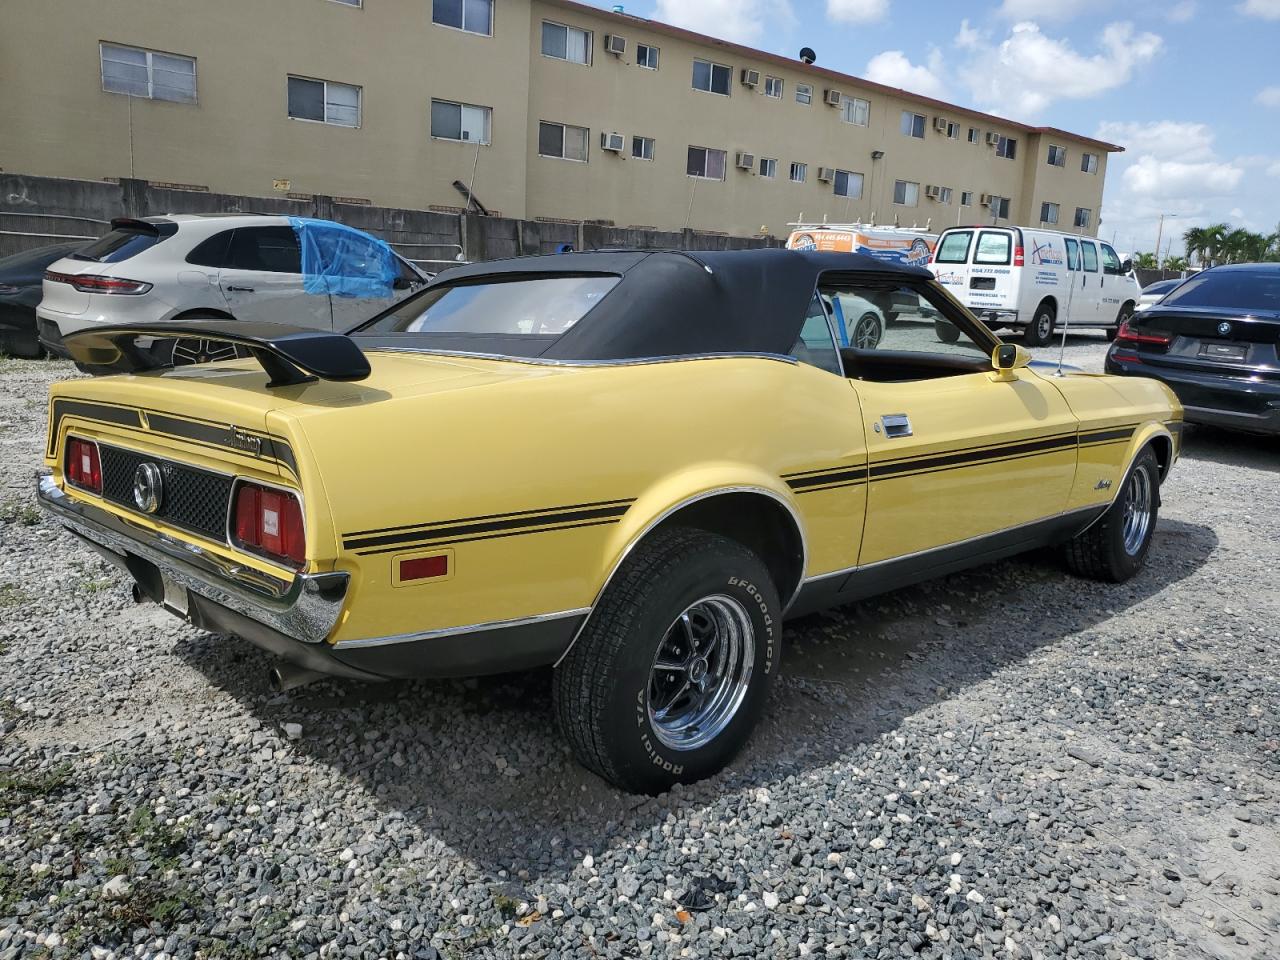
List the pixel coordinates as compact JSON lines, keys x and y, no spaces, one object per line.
{"x":1126,"y":267}
{"x":401,"y":283}
{"x":1005,"y":359}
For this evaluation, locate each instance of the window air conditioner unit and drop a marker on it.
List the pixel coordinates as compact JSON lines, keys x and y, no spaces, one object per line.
{"x":986,"y":199}
{"x":750,"y":78}
{"x":615,"y":44}
{"x":932,"y":192}
{"x":746,"y":161}
{"x":612,"y":141}
{"x":826,"y":174}
{"x":940,"y":124}
{"x":833,"y":98}
{"x":992,"y":138}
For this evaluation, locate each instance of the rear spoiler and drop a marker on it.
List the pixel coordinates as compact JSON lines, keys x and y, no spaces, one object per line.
{"x":290,"y":355}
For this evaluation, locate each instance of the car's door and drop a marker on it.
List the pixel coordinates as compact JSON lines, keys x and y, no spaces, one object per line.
{"x":1116,"y":285}
{"x":1081,"y":304}
{"x":349,"y":311}
{"x":262,"y":280}
{"x":954,"y":455}
{"x":1090,"y":312}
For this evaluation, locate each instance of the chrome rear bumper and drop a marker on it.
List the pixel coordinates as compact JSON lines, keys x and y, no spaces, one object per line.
{"x":305,"y":608}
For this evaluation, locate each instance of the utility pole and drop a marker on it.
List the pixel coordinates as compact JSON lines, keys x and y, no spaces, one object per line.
{"x":1159,"y":237}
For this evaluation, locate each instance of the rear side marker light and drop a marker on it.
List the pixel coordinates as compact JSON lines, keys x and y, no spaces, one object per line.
{"x":1019,"y":259}
{"x":83,"y":467}
{"x":267,"y":521}
{"x":88,"y":283}
{"x":424,"y":568}
{"x":1127,"y":334}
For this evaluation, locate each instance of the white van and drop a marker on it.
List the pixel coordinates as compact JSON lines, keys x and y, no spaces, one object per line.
{"x":1035,"y":280}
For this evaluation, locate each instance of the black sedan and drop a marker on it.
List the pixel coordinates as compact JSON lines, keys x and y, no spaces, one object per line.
{"x":21,"y":277}
{"x":1214,"y":341}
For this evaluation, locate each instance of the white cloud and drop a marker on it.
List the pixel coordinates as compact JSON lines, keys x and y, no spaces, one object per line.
{"x":1046,"y":9}
{"x":1182,"y":12}
{"x":893,"y":69}
{"x":741,"y":21}
{"x":1274,"y":169}
{"x":1269,"y":96}
{"x":968,"y":38}
{"x":857,"y":11}
{"x":1166,"y":139}
{"x":1029,"y":70}
{"x":1149,"y":176}
{"x":1266,"y":9}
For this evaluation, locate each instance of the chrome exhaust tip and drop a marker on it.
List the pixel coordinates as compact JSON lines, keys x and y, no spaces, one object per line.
{"x":286,"y":677}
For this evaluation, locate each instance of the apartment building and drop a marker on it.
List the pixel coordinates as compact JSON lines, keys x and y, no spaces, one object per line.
{"x":539,"y":108}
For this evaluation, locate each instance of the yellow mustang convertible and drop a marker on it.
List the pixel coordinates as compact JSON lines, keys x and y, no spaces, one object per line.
{"x":631,"y":465}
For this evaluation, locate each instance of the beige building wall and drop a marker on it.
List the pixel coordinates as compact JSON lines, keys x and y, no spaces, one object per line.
{"x":239,"y":139}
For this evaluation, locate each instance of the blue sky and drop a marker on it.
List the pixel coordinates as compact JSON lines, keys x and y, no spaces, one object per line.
{"x":1189,"y":87}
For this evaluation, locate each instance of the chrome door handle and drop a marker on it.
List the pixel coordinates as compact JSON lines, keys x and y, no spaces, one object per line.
{"x":236,"y":289}
{"x":896,"y":425}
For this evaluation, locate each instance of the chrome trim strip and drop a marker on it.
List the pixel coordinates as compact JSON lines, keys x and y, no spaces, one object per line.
{"x":955,"y":543}
{"x":306,"y":608}
{"x":795,"y":518}
{"x":544,"y":362}
{"x":458,"y":631}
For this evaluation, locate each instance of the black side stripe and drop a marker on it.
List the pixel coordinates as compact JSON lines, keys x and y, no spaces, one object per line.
{"x":125,"y":416}
{"x":493,"y":536}
{"x":971,"y":457}
{"x":847,"y":476}
{"x":474,"y":531}
{"x":422,"y":527}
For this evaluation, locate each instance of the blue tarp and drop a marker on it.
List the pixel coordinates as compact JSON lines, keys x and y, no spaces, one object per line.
{"x":344,"y":261}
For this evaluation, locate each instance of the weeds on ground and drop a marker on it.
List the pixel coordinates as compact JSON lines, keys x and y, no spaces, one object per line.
{"x":11,"y":595}
{"x":19,"y":510}
{"x":18,"y":789}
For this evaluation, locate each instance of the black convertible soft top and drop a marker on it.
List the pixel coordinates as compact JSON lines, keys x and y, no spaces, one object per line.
{"x":666,"y":304}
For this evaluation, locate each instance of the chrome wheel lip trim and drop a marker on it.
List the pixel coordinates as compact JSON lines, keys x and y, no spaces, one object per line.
{"x":1136,"y":511}
{"x":730,"y":666}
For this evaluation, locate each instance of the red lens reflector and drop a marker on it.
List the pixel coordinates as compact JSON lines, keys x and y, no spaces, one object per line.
{"x":83,"y":468}
{"x":424,"y":568}
{"x":270,"y":522}
{"x":1019,"y":258}
{"x":1130,"y":335}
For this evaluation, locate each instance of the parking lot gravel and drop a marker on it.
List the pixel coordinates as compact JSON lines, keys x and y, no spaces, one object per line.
{"x":1006,"y":763}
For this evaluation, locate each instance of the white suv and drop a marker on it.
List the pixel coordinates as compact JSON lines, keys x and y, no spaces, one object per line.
{"x":188,"y":267}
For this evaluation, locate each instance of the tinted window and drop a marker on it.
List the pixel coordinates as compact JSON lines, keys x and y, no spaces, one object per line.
{"x":271,"y":249}
{"x":1110,"y":260}
{"x":1073,"y":254}
{"x":954,"y":247}
{"x":547,"y":306}
{"x":1235,"y":289}
{"x":1090,"y":257}
{"x":993,"y":248}
{"x":815,"y":345}
{"x":212,"y":251}
{"x":118,"y":245}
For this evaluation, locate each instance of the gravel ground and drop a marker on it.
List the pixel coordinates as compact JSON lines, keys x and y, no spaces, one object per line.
{"x":1006,"y":763}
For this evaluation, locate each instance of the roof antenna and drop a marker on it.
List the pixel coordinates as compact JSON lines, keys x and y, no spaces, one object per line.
{"x":1079,"y":272}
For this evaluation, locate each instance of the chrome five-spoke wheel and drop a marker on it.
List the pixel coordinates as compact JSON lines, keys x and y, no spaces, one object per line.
{"x":1137,"y":510}
{"x":701,"y":673}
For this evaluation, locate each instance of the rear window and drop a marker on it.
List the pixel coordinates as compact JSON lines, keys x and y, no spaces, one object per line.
{"x":993,"y":248}
{"x":119,"y":244}
{"x":541,"y":307}
{"x":1257,"y":290}
{"x":954,"y":247}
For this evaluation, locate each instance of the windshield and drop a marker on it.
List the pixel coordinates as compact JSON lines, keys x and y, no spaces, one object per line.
{"x":1232,"y":289}
{"x":542,"y":306}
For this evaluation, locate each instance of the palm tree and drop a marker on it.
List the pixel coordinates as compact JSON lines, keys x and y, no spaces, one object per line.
{"x":1175,"y":263}
{"x":1145,"y":261}
{"x":1196,"y":240}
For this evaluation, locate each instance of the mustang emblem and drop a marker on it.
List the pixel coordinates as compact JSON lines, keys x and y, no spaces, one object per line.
{"x":1103,"y":485}
{"x":148,"y":487}
{"x":243,"y":440}
{"x":1224,"y":328}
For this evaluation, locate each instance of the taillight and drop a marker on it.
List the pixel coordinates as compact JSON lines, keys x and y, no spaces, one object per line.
{"x":83,"y":467}
{"x":1127,"y":334}
{"x":87,"y":283}
{"x":269,"y":522}
{"x":1018,"y":258}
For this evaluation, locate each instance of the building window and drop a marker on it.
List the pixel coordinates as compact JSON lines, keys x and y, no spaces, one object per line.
{"x":1007,"y":147}
{"x":999,"y":207}
{"x":642,"y":148}
{"x":912,"y":125}
{"x":351,"y":3}
{"x":460,"y":121}
{"x":145,"y":73}
{"x":1089,"y":163}
{"x":953,"y":130}
{"x":906,"y":193}
{"x":966,"y":198}
{"x":706,"y":163}
{"x":711,"y":77}
{"x":942,"y":195}
{"x":473,"y":16}
{"x":1084,"y":217}
{"x":768,"y":167}
{"x":1048,"y":212}
{"x":646,"y":56}
{"x":804,"y":93}
{"x":566,"y":43}
{"x":773,"y":87}
{"x":562,"y":141}
{"x":1057,"y":155}
{"x":973,"y":134}
{"x":799,"y":172}
{"x":324,"y":101}
{"x":855,"y":111}
{"x":848,"y":184}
